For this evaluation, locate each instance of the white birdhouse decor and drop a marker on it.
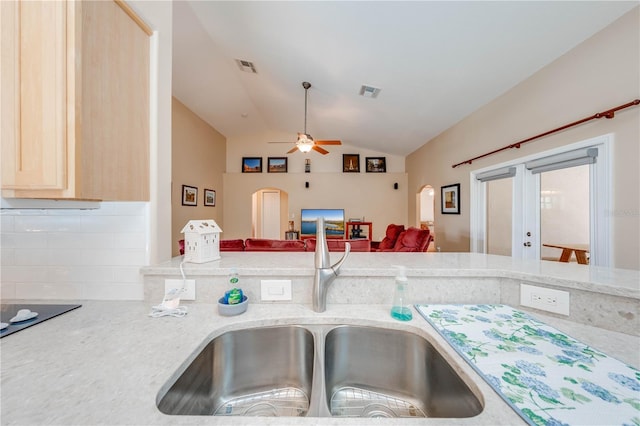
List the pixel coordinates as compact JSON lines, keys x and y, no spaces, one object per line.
{"x":201,"y":241}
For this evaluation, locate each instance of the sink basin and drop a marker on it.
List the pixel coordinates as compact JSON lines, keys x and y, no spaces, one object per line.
{"x":377,"y":372}
{"x":263,"y":371}
{"x":319,"y":371}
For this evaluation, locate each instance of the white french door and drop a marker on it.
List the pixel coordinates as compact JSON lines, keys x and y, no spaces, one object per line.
{"x":521,"y":183}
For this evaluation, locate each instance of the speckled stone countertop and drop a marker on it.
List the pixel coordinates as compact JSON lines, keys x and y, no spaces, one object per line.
{"x":602,"y":297}
{"x":619,"y":282}
{"x":106,"y":362}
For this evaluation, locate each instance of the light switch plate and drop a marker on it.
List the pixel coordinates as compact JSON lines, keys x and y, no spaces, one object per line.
{"x":275,"y":290}
{"x":188,"y":294}
{"x":546,"y":299}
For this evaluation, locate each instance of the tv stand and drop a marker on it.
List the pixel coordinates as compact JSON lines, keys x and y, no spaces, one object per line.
{"x":355,"y":230}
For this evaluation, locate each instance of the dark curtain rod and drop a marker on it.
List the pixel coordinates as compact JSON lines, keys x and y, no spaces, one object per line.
{"x":610,"y":113}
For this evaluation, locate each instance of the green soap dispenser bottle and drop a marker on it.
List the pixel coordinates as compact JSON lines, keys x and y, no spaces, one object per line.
{"x":400,"y":309}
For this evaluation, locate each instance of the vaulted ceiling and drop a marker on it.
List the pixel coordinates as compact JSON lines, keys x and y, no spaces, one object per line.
{"x":434,"y":62}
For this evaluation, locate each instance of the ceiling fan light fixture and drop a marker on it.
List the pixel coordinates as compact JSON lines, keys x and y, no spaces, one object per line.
{"x":305,"y":142}
{"x":305,"y":146}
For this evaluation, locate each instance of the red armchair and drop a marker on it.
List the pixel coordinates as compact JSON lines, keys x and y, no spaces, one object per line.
{"x":412,"y":240}
{"x":389,"y":241}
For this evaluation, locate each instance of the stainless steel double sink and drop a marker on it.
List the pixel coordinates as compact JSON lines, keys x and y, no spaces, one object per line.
{"x":319,"y":371}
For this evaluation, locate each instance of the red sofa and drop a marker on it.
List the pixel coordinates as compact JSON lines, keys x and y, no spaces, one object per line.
{"x":389,"y":240}
{"x":232,"y":245}
{"x":338,"y":244}
{"x":259,"y":244}
{"x":398,"y":239}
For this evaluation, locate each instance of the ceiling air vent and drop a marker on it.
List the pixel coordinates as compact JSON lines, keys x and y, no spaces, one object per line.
{"x":369,"y":91}
{"x":246,"y":66}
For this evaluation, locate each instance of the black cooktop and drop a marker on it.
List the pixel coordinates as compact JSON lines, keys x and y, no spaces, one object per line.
{"x":45,"y":312}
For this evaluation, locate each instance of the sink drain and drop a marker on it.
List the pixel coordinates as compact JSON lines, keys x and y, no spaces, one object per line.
{"x":262,"y":409}
{"x":290,"y":402}
{"x":355,"y":402}
{"x":377,"y":410}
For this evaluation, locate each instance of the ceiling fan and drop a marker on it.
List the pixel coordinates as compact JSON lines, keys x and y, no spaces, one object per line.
{"x":305,"y":142}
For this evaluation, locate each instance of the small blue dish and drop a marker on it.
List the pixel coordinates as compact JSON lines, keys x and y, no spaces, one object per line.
{"x":230,"y":310}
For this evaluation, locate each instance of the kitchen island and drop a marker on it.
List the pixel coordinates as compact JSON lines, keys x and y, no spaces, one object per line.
{"x":107,"y":362}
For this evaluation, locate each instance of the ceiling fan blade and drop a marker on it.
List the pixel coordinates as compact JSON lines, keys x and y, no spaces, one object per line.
{"x":329,"y":142}
{"x":294,"y":149}
{"x":320,"y":150}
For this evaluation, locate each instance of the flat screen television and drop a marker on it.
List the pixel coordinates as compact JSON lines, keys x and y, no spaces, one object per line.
{"x":333,"y":222}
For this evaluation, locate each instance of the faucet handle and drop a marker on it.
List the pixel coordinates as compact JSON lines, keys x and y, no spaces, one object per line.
{"x":347,"y":250}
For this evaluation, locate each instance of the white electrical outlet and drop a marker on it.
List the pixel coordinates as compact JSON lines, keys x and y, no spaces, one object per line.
{"x":190,"y":288}
{"x":275,"y":289}
{"x":546,"y":299}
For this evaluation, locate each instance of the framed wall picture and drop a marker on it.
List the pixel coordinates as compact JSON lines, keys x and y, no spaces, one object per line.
{"x":351,"y":163}
{"x":376,"y":164}
{"x":189,"y":195}
{"x":450,"y":199}
{"x":251,"y":164}
{"x":277,"y":165}
{"x":210,"y":197}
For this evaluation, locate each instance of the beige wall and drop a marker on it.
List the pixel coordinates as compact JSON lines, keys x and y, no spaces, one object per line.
{"x":599,"y":74}
{"x":360,"y":194}
{"x":198,"y":159}
{"x":368,"y":195}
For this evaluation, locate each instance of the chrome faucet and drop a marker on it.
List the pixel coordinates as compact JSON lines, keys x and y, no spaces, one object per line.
{"x":325,"y":274}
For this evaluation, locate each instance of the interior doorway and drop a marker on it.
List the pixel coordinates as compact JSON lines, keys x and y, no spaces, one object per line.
{"x":269,"y":218}
{"x":270,"y":215}
{"x":425,"y":205}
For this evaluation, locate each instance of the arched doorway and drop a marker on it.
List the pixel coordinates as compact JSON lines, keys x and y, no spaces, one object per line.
{"x":425,"y":215}
{"x":269,"y":207}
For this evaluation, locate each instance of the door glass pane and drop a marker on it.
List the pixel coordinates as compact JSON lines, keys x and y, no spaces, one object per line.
{"x":564,"y":211}
{"x":499,"y":205}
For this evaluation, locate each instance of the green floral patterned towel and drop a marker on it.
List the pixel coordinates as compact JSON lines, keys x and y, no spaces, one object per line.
{"x":548,"y":377}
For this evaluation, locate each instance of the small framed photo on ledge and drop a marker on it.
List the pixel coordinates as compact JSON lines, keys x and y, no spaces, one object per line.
{"x":351,"y":163}
{"x":251,"y":164}
{"x":189,"y":195}
{"x":277,"y":165}
{"x":376,"y":164}
{"x":450,"y":199}
{"x":209,"y":197}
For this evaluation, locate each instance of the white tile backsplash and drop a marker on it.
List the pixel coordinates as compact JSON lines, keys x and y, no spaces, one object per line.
{"x":6,"y":223}
{"x":31,"y":256}
{"x":74,"y":253}
{"x":13,"y":240}
{"x":48,"y":291}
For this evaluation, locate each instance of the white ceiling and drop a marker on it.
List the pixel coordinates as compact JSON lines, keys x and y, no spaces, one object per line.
{"x":435,"y":62}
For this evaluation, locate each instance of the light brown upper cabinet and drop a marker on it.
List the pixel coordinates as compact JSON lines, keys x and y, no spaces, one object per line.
{"x":75,"y":101}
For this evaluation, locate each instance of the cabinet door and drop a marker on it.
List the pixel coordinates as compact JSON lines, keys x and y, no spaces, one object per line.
{"x":34,"y":95}
{"x":115,"y":104}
